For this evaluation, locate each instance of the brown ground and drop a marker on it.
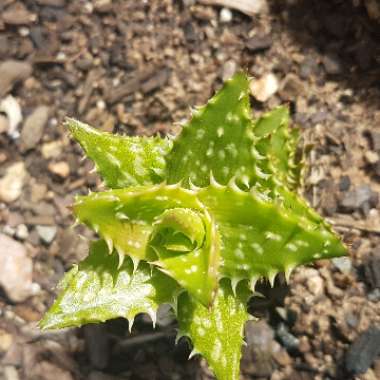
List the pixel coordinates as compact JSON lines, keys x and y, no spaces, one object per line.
{"x":136,"y":67}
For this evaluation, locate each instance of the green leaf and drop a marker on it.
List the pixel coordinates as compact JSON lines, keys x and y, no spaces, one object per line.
{"x":217,"y":140}
{"x":98,"y":290}
{"x":123,"y":161}
{"x":216,"y":332}
{"x":261,"y":237}
{"x":127,"y":219}
{"x":279,"y":144}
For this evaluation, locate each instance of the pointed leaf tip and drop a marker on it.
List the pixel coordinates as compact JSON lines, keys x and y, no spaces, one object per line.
{"x":122,"y":161}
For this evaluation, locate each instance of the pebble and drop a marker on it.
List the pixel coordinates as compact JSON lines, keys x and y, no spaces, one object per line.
{"x":6,"y":341}
{"x":265,"y":87}
{"x":46,"y":233}
{"x":16,"y":270}
{"x":12,"y":183}
{"x":261,"y":347}
{"x":371,"y":157}
{"x":12,"y":72}
{"x":291,"y":88}
{"x":21,"y":232}
{"x":229,"y":69}
{"x":344,"y":264}
{"x":363,"y":351}
{"x":289,"y":341}
{"x":12,"y":110}
{"x":103,"y":6}
{"x":375,"y":140}
{"x":361,"y":197}
{"x":344,"y":183}
{"x":313,"y":281}
{"x":10,"y":373}
{"x":248,"y":7}
{"x":51,"y":149}
{"x":373,"y":9}
{"x":4,"y":124}
{"x":374,"y":296}
{"x":372,"y":271}
{"x":225,"y":15}
{"x":18,"y":15}
{"x":33,"y":128}
{"x":44,"y":370}
{"x":165,"y":315}
{"x":259,"y":43}
{"x":332,"y":65}
{"x":308,"y":67}
{"x":97,"y":345}
{"x":315,"y":285}
{"x":61,"y":168}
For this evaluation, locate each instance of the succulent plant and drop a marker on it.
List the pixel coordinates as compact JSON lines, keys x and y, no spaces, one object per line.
{"x":194,"y":222}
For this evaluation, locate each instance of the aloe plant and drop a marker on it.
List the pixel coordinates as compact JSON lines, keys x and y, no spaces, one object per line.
{"x":193,"y":221}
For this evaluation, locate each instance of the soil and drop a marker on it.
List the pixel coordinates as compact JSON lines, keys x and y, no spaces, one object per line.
{"x":135,"y":67}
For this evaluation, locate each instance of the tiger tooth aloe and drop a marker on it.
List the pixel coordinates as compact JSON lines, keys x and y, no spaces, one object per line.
{"x":193,"y":222}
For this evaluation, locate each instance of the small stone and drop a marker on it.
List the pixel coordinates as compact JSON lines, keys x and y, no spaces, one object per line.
{"x":8,"y":230}
{"x":282,"y":358}
{"x":51,"y":149}
{"x":249,"y":7}
{"x":361,"y":197}
{"x":291,"y":88}
{"x":4,"y":124}
{"x":372,"y":271}
{"x":6,"y":341}
{"x":259,"y":43}
{"x":97,"y":345}
{"x":46,"y":233}
{"x":10,"y":373}
{"x":62,"y":169}
{"x":374,"y":137}
{"x":265,"y":87}
{"x":344,"y":183}
{"x":229,"y":69}
{"x":371,"y":157}
{"x":16,"y":270}
{"x":363,"y":352}
{"x":289,"y":341}
{"x":44,"y":370}
{"x":261,"y":346}
{"x":308,"y":67}
{"x":12,"y":183}
{"x":12,"y":72}
{"x":165,"y":315}
{"x":103,"y":6}
{"x":18,"y":15}
{"x":22,"y":232}
{"x":12,"y":110}
{"x":259,"y":334}
{"x":315,"y":285}
{"x":373,"y":9}
{"x":374,"y":296}
{"x":225,"y":15}
{"x":33,"y":128}
{"x":344,"y":264}
{"x":332,"y":65}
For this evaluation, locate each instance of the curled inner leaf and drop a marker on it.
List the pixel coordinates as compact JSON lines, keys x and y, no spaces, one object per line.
{"x":186,"y":244}
{"x":178,"y":230}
